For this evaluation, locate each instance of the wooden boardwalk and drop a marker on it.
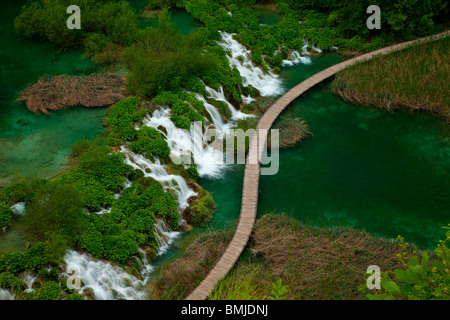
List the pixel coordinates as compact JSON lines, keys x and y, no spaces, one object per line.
{"x":252,"y":167}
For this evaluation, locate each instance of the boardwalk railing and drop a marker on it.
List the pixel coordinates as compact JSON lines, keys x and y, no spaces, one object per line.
{"x":252,"y":168}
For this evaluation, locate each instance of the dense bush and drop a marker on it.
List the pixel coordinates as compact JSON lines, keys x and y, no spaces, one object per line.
{"x":164,"y":60}
{"x":117,"y":235}
{"x":33,"y":259}
{"x":5,"y":216}
{"x":56,"y":209}
{"x":150,"y":143}
{"x":48,"y":291}
{"x":98,"y":175}
{"x":12,"y":262}
{"x":405,"y":19}
{"x":121,"y":116}
{"x":112,"y":21}
{"x":20,"y":191}
{"x":10,"y":281}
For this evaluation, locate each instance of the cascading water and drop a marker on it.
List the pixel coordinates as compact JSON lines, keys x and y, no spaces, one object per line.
{"x":207,"y":158}
{"x":19,"y":208}
{"x":164,"y":236}
{"x":159,"y":172}
{"x":216,"y":117}
{"x":220,"y":96}
{"x":6,"y":295}
{"x":268,"y":84}
{"x":104,"y":280}
{"x":29,"y":280}
{"x":296,"y":58}
{"x":145,"y":268}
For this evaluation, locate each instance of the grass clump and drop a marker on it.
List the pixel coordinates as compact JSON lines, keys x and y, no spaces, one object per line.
{"x":417,"y":78}
{"x":63,"y":91}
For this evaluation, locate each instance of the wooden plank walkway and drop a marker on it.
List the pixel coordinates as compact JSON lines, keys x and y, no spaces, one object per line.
{"x":252,"y":168}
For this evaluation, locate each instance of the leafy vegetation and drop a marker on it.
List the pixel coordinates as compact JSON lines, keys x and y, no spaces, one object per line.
{"x":164,"y":60}
{"x":5,"y":216}
{"x":420,"y":278}
{"x":105,"y":23}
{"x":56,"y":209}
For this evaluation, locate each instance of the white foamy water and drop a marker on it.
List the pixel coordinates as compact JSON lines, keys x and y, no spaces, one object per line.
{"x":6,"y":295}
{"x":104,"y":280}
{"x":29,"y":281}
{"x":164,"y":236}
{"x":296,"y":58}
{"x":183,"y":143}
{"x":268,"y":84}
{"x":159,"y":172}
{"x":19,"y":208}
{"x":107,"y":281}
{"x":216,"y":117}
{"x":220,"y":96}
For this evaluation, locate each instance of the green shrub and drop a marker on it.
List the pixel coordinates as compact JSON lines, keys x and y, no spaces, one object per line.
{"x":112,"y":20}
{"x":20,"y":191}
{"x":5,"y":215}
{"x":55,"y":209}
{"x":37,"y":256}
{"x":48,"y":291}
{"x":74,"y":296}
{"x":420,"y":278}
{"x":13,"y":262}
{"x":150,"y":143}
{"x":9,"y":281}
{"x":192,"y":172}
{"x":164,"y":60}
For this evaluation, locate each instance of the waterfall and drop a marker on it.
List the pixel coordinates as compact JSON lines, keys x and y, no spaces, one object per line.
{"x":164,"y":236}
{"x":248,"y":99}
{"x":158,"y":172}
{"x":220,"y":96}
{"x":5,"y":295}
{"x":29,"y":280}
{"x":116,"y":196}
{"x":313,"y":47}
{"x":305,"y":47}
{"x":145,"y":268}
{"x":216,"y":117}
{"x":207,"y":158}
{"x":104,"y":280}
{"x":268,"y":84}
{"x":296,"y":58}
{"x":19,"y":208}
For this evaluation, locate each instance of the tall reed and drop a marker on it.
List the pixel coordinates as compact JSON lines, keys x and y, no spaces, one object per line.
{"x":416,"y":78}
